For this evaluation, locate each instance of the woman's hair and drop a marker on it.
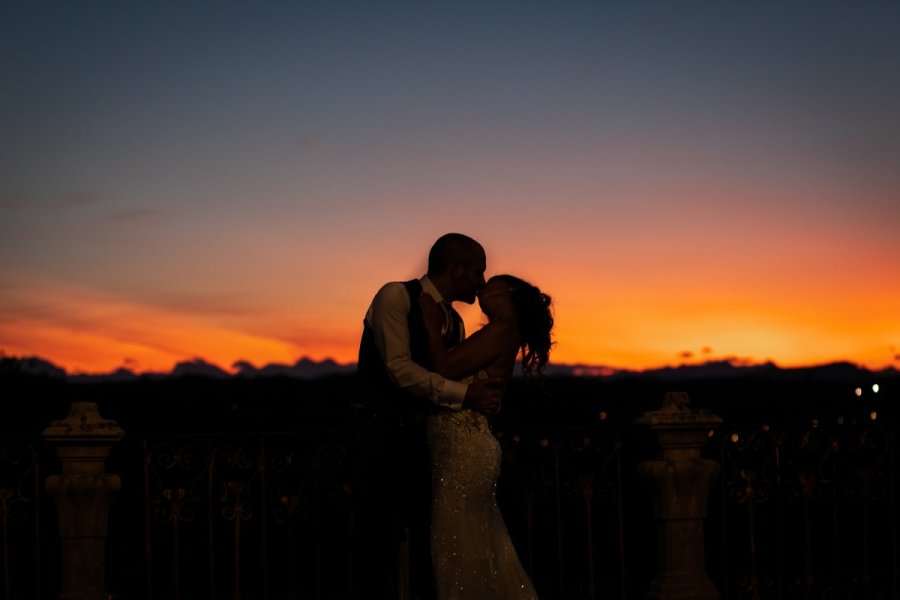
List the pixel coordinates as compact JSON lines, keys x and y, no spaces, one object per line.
{"x":535,"y":322}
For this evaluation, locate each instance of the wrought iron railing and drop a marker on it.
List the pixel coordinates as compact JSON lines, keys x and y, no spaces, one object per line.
{"x":808,"y":511}
{"x":22,"y":553}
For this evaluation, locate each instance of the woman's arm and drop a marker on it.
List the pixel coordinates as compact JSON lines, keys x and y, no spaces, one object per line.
{"x":472,"y":354}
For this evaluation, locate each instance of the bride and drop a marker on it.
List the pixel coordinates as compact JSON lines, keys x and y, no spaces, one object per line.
{"x":472,"y":553}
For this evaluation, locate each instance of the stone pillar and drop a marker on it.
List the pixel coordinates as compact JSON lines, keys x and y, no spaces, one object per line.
{"x":83,"y":494}
{"x":681,"y":482}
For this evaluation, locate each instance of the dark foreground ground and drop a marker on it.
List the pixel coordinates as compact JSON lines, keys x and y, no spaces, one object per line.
{"x":804,"y":505}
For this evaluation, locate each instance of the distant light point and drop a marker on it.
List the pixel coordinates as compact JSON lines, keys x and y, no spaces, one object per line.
{"x":858,"y":392}
{"x":875,"y":388}
{"x":873,"y":415}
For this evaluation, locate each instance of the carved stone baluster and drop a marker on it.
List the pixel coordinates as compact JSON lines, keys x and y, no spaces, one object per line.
{"x":681,"y":482}
{"x":83,"y":494}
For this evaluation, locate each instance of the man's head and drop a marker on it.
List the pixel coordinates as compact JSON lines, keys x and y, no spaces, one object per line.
{"x":456,"y":266}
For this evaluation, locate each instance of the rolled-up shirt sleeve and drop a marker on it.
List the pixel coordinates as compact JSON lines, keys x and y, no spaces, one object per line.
{"x":388,"y":318}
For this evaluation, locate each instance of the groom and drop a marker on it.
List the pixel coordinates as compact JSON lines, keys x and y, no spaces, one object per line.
{"x":392,"y":484}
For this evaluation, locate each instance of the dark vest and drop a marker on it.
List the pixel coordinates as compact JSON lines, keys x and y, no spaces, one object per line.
{"x":377,"y":392}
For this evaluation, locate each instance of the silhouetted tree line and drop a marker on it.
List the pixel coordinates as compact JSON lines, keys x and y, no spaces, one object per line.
{"x":196,"y":404}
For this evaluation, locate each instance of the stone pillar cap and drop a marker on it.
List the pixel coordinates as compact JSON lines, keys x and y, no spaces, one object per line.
{"x":83,"y":423}
{"x":676,"y":412}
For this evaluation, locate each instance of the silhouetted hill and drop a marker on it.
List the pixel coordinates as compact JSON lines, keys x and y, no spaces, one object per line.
{"x":31,"y":365}
{"x":198,"y":367}
{"x":306,"y":368}
{"x":199,"y":399}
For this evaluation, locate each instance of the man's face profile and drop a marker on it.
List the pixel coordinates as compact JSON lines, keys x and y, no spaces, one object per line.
{"x":470,"y":278}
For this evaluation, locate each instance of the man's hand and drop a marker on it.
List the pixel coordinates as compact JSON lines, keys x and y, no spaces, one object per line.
{"x":484,"y":396}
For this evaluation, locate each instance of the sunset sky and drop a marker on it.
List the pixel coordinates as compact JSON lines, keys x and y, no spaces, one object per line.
{"x":230,"y":181}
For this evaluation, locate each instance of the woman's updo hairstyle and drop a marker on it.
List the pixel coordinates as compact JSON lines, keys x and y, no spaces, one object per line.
{"x":535,"y":322}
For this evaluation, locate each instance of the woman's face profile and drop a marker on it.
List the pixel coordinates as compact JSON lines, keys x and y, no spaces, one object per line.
{"x":492,"y":296}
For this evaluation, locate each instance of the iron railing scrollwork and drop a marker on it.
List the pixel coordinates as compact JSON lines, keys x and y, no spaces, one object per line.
{"x":20,"y":520}
{"x":246,"y":516}
{"x":809,"y":512}
{"x":571,"y":531}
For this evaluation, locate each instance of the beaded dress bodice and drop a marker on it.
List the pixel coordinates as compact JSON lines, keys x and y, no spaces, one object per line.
{"x":472,"y":553}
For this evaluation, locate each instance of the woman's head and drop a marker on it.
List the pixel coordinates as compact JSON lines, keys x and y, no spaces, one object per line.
{"x":535,"y":318}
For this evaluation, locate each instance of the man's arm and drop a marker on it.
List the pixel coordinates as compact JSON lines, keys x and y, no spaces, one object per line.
{"x":388,"y":318}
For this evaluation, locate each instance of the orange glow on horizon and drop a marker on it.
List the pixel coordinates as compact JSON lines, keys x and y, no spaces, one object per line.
{"x":651,"y":318}
{"x":111,"y":333}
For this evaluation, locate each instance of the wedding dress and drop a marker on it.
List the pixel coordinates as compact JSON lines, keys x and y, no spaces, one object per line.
{"x":472,"y":553}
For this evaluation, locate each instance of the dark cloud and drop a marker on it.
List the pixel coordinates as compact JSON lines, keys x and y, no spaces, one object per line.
{"x":305,"y":141}
{"x":135,"y":215}
{"x":78,"y":199}
{"x":68,"y":200}
{"x":13,"y":202}
{"x":231,"y":304}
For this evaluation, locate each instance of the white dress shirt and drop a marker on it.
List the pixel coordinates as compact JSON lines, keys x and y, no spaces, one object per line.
{"x":388,"y":317}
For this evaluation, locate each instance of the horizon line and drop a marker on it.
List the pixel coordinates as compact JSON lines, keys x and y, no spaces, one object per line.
{"x":577,"y":369}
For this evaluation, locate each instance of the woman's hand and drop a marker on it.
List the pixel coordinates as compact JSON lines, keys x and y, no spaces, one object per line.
{"x":431,"y":314}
